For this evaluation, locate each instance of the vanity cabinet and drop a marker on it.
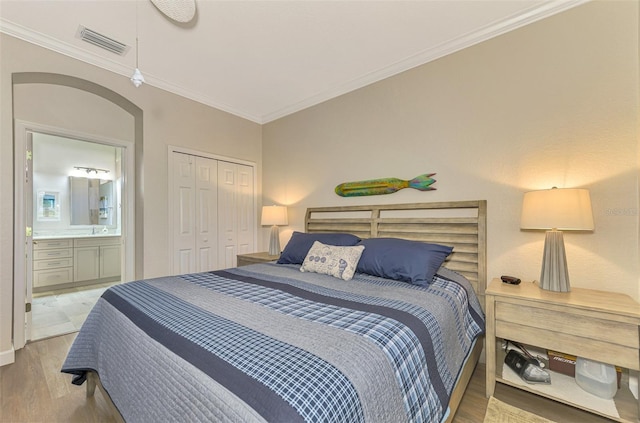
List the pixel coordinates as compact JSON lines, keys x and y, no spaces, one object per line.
{"x":96,"y":258}
{"x":66,"y":262}
{"x":110,"y":261}
{"x":52,"y":262}
{"x":86,"y":263}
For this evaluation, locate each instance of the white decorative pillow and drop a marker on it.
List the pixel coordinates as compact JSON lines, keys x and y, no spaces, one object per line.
{"x":337,"y":261}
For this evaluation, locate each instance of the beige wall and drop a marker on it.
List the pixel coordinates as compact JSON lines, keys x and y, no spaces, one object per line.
{"x":551,"y":104}
{"x":168,"y":120}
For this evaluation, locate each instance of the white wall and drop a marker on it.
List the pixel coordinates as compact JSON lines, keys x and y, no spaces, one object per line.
{"x":551,"y":104}
{"x":168,"y":120}
{"x":54,"y":161}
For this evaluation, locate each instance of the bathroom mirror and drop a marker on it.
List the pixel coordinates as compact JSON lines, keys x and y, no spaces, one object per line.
{"x":92,"y":201}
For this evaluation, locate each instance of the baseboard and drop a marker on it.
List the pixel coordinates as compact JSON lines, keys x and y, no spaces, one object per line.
{"x":7,"y":357}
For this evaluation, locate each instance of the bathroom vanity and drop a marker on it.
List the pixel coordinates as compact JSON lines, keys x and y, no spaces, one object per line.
{"x":74,"y":261}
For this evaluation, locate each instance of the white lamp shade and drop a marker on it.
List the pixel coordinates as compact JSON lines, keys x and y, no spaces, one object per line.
{"x":556,"y":208}
{"x":274,"y":215}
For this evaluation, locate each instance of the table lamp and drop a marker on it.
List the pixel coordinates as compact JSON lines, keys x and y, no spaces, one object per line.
{"x":274,"y":216}
{"x":556,"y":210}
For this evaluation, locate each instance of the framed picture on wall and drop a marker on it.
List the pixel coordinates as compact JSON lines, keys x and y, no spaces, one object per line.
{"x":48,"y":206}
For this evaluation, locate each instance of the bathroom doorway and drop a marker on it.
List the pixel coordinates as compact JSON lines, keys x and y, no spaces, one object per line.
{"x":79,"y":219}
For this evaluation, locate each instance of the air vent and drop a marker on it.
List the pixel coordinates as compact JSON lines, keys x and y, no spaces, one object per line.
{"x":102,"y":41}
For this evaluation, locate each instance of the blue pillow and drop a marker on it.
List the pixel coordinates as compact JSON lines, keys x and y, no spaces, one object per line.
{"x":300,"y":243}
{"x":399,"y":259}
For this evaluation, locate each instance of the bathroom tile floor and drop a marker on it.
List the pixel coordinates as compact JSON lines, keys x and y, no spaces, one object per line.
{"x":64,"y":311}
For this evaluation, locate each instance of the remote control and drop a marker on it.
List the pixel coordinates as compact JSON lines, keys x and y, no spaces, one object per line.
{"x":510,"y":279}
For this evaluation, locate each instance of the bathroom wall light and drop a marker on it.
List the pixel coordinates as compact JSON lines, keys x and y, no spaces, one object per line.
{"x":91,"y":169}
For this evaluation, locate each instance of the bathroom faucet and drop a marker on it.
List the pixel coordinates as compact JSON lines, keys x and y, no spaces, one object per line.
{"x":93,"y":230}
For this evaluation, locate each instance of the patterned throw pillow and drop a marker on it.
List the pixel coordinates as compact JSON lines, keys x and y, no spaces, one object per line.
{"x":340,"y":262}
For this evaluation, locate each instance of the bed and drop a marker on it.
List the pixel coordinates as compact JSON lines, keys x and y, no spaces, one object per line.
{"x":366,"y":336}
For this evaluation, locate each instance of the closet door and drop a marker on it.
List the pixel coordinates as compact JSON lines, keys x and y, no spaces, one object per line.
{"x":184,"y":206}
{"x":206,"y":214}
{"x":236,"y":212}
{"x":194,"y":213}
{"x":227,"y":216}
{"x":246,"y":210}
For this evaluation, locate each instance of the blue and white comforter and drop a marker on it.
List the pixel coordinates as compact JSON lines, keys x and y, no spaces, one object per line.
{"x":269,"y":343}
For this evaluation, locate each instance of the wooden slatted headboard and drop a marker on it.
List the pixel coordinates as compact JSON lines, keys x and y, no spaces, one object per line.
{"x":459,"y":224}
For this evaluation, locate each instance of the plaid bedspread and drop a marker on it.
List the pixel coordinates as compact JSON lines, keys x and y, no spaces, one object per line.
{"x":269,"y":343}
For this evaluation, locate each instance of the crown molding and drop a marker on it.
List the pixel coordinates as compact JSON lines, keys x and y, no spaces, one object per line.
{"x":50,"y":43}
{"x":198,"y":97}
{"x":495,"y":29}
{"x":42,"y":40}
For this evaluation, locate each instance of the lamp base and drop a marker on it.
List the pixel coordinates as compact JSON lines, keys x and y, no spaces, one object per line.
{"x":274,"y":241}
{"x":554,"y":275}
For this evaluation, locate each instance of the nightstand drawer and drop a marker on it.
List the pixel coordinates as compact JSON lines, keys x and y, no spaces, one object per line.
{"x":571,"y":333}
{"x":568,"y":322}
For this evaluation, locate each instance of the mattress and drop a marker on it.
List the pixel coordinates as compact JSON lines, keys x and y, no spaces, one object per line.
{"x":267,"y":342}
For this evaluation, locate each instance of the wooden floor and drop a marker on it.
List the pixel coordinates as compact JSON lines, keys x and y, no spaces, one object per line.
{"x":33,"y":390}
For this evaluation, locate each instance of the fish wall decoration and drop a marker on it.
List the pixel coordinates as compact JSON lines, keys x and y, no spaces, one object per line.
{"x":384,"y":186}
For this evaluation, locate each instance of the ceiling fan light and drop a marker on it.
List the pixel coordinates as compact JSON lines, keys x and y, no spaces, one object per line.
{"x":137,"y":79}
{"x":182,"y":11}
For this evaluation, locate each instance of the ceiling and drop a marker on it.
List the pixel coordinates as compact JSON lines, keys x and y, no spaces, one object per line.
{"x":263,"y":60}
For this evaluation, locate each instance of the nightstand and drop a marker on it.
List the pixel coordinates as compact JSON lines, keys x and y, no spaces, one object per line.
{"x":252,"y":258}
{"x":597,"y":325}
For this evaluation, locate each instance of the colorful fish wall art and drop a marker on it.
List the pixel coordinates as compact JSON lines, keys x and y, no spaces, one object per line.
{"x":384,"y":186}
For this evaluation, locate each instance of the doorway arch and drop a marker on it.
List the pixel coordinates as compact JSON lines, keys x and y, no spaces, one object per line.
{"x":136,"y":185}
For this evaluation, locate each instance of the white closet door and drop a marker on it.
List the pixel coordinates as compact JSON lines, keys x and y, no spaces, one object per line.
{"x":213,"y":212}
{"x":184,"y":206}
{"x":227,"y":214}
{"x":206,"y":175}
{"x":245,"y":210}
